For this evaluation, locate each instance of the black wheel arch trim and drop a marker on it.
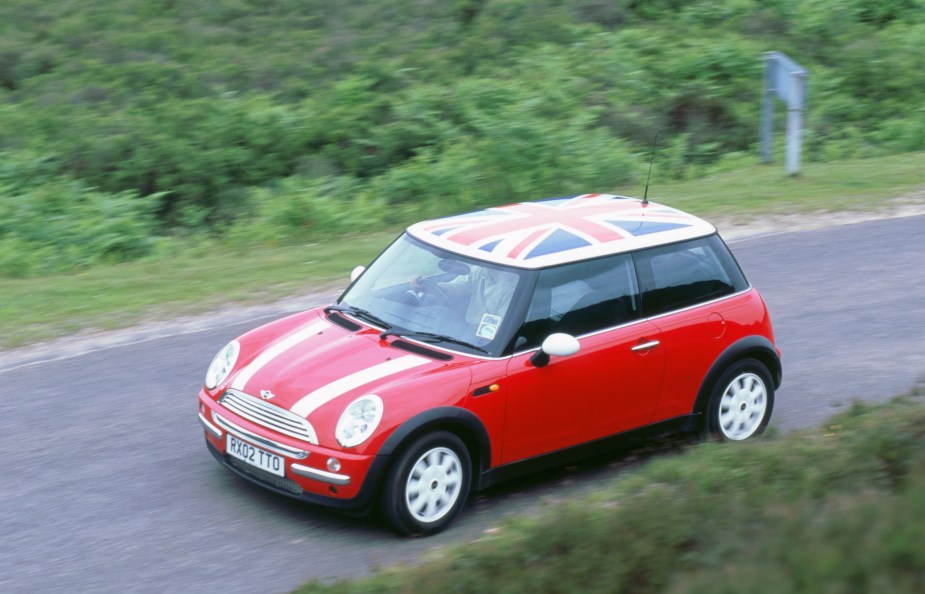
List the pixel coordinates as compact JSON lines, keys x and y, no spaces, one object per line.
{"x":754,"y":347}
{"x":448,"y":418}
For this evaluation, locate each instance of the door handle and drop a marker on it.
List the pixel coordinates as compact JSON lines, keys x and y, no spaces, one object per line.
{"x":645,"y":346}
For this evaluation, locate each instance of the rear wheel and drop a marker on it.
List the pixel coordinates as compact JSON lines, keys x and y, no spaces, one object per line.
{"x":741,"y":402}
{"x":428,"y":484}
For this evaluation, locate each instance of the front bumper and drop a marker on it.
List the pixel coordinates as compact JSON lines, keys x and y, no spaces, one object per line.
{"x":360,"y":504}
{"x":306,"y":477}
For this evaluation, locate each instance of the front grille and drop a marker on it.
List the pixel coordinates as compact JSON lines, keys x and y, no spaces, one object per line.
{"x":268,"y":415}
{"x":263,"y":476}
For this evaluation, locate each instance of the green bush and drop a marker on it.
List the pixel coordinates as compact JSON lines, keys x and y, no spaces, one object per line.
{"x":203,"y":108}
{"x":303,"y":209}
{"x":53,"y":224}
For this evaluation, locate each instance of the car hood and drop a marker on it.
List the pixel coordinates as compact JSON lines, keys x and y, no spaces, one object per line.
{"x":306,"y":363}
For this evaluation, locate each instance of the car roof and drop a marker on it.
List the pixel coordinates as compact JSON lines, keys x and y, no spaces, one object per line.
{"x":559,"y":230}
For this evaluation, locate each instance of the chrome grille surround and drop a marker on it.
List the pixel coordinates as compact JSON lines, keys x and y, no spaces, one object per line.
{"x":268,"y":415}
{"x":264,"y":442}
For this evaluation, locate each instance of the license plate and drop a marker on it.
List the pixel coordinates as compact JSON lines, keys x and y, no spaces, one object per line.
{"x":254,"y":456}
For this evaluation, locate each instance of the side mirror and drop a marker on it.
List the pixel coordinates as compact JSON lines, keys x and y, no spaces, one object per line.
{"x":558,"y":344}
{"x":356,"y":272}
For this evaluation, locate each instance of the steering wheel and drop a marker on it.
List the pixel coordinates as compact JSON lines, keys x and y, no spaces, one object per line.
{"x":428,"y":293}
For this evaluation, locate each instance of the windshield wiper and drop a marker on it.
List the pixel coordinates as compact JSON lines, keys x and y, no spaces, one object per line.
{"x":430,"y":337}
{"x":359,"y":313}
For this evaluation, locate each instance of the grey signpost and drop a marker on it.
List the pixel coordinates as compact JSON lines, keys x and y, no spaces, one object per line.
{"x":786,"y":80}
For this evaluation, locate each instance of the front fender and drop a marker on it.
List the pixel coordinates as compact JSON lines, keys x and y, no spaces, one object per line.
{"x":458,"y":420}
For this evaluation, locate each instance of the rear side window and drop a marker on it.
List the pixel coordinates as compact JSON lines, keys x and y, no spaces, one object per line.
{"x":687,"y":273}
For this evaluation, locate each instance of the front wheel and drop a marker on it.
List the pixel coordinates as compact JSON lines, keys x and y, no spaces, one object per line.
{"x":428,"y":484}
{"x":741,"y":402}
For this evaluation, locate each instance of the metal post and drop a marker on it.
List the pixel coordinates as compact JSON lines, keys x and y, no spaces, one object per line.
{"x":786,"y":80}
{"x":795,"y":125}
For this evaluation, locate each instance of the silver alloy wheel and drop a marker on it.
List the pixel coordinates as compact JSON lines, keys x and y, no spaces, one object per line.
{"x":434,"y":484}
{"x":743,"y":406}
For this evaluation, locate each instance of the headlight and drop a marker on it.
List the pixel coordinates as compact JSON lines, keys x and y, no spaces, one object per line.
{"x":222,"y":364}
{"x":359,"y":420}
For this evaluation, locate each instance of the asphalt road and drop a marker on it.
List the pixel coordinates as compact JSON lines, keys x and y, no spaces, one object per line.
{"x":107,"y":486}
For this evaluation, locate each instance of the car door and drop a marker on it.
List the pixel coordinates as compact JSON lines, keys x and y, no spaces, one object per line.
{"x":609,"y":386}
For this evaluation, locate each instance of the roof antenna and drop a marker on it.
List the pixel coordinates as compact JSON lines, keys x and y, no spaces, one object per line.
{"x":645,"y":197}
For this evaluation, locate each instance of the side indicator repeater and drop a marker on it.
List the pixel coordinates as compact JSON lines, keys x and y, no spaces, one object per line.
{"x":486,"y":390}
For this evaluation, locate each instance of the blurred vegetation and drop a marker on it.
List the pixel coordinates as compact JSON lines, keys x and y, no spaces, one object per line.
{"x":124,"y":124}
{"x":198,"y":273}
{"x":839,"y":508}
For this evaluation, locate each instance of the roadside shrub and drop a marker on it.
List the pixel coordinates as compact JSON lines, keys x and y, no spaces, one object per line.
{"x":835,"y":509}
{"x":205,"y":108}
{"x":905,"y":134}
{"x":59,"y":225}
{"x":301,"y":209}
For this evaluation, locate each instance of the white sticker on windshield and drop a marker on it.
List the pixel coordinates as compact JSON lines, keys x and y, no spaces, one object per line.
{"x":488,"y":327}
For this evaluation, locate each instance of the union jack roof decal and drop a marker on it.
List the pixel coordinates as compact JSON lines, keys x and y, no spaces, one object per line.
{"x":550,"y":232}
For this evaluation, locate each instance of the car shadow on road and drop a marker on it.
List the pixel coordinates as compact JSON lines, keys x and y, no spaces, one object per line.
{"x":526,"y":495}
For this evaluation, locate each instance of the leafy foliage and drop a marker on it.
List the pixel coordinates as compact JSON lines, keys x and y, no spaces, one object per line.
{"x":203,"y":110}
{"x":50,"y":225}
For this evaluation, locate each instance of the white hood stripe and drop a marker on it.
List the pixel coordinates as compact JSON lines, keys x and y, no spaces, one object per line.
{"x":311,"y":402}
{"x":244,"y":376}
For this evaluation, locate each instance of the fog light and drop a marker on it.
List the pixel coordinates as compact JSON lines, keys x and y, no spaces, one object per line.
{"x":333,"y":464}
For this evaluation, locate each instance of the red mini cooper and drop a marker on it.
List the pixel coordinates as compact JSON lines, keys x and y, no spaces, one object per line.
{"x":482,"y":346}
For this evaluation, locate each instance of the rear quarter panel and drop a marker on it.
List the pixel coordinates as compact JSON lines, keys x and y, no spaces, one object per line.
{"x":694,"y":338}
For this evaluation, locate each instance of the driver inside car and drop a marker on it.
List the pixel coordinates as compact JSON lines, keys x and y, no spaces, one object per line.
{"x":485,"y":293}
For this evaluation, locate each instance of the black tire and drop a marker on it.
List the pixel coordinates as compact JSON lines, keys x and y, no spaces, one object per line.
{"x":741,"y":402}
{"x":428,"y":484}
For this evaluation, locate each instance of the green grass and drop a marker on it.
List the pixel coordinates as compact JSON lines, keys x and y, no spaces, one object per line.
{"x":197,"y":278}
{"x":742,"y":188}
{"x":839,"y":508}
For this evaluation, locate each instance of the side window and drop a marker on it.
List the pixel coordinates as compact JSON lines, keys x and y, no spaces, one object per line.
{"x":580,"y":298}
{"x":686,"y":274}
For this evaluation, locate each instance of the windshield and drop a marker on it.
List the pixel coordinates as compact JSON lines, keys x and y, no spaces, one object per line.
{"x":429,"y":294}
